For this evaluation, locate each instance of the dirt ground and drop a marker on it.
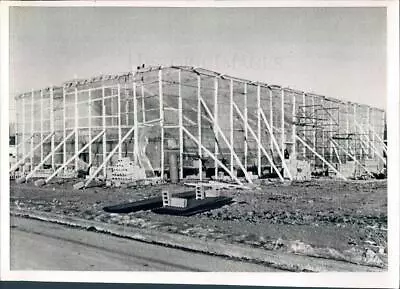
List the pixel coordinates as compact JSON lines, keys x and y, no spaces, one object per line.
{"x":323,"y":218}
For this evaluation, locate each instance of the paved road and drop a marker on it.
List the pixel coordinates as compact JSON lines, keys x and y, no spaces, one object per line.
{"x":37,"y":245}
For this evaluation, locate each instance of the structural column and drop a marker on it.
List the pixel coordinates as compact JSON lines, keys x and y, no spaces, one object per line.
{"x":216,"y":124}
{"x":76,"y":127}
{"x":90,"y":125}
{"x":104,"y":128}
{"x":160,"y":88}
{"x":304,"y":129}
{"x":41,"y":125}
{"x":23,"y":138}
{"x":199,"y":127}
{"x":32,"y":129}
{"x":271,"y":121}
{"x":245,"y":127}
{"x":64,"y":128}
{"x":136,"y":131}
{"x":294,"y":125}
{"x":283,"y":120}
{"x":259,"y":131}
{"x":119,"y":120}
{"x":180,"y":120}
{"x":231,"y":121}
{"x":52,"y":130}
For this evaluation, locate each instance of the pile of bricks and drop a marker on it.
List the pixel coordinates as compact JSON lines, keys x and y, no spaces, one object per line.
{"x":126,"y":171}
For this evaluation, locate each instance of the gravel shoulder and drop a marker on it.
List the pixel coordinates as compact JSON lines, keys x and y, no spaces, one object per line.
{"x":324,"y":218}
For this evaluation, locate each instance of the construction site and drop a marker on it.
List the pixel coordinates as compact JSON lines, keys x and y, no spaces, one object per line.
{"x":260,"y":165}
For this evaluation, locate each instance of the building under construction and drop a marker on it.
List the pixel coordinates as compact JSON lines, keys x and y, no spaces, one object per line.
{"x":194,"y":122}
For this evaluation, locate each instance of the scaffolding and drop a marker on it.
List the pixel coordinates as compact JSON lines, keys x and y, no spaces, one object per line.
{"x":215,"y":123}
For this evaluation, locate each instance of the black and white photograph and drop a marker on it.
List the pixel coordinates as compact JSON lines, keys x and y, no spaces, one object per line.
{"x":176,"y":138}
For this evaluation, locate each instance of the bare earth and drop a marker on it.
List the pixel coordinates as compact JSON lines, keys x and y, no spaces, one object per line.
{"x":323,"y":218}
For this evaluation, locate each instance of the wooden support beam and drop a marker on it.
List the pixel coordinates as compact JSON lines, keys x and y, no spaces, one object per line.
{"x":32,"y":121}
{"x":64,"y":127}
{"x":52,"y":127}
{"x":135,"y":124}
{"x":283,"y":121}
{"x":293,"y":136}
{"x":74,"y":157}
{"x":41,"y":125}
{"x":216,"y":120}
{"x":231,"y":122}
{"x":161,"y":98}
{"x":104,"y":140}
{"x":238,"y":161}
{"x":271,"y":119}
{"x":180,"y":120}
{"x":275,"y":142}
{"x":352,"y":157}
{"x":76,"y":124}
{"x":259,"y":144}
{"x":110,"y":155}
{"x":245,"y":122}
{"x":13,"y":168}
{"x":320,"y":157}
{"x":304,"y":129}
{"x":259,"y":164}
{"x":49,"y":155}
{"x":213,"y":157}
{"x":199,"y":127}
{"x":119,"y":118}
{"x":90,"y":125}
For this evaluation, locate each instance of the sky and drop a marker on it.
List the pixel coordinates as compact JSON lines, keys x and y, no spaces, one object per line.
{"x":337,"y":52}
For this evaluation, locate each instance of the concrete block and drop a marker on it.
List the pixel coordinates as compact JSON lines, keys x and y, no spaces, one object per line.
{"x":212,"y":193}
{"x":79,"y":185}
{"x":178,"y":202}
{"x":39,"y":183}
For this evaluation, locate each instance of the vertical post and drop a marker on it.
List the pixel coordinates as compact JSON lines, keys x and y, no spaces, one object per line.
{"x":52,"y":127}
{"x":126,"y":105}
{"x":32,"y":129}
{"x":119,"y":120}
{"x":135,"y":132}
{"x":76,"y":123}
{"x":271,"y":121}
{"x":331,"y":135}
{"x":199,"y":126}
{"x":369,"y":132}
{"x":64,"y":127}
{"x":104,"y":141}
{"x":283,"y":120}
{"x":259,"y":130}
{"x":304,"y":129}
{"x":373,"y":134}
{"x":180,"y":120}
{"x":41,"y":125}
{"x":315,"y":128}
{"x":216,"y":124}
{"x":294,"y":125}
{"x":245,"y":127}
{"x":90,"y":124}
{"x":347,"y":127}
{"x":231,"y":121}
{"x":23,"y":138}
{"x":143,"y":106}
{"x":160,"y":88}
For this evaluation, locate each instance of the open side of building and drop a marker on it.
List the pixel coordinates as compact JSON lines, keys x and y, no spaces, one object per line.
{"x":213,"y":124}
